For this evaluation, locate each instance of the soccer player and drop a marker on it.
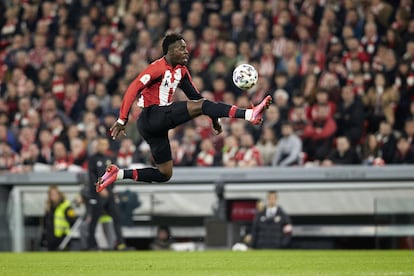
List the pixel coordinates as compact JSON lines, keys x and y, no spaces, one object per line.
{"x":155,"y":87}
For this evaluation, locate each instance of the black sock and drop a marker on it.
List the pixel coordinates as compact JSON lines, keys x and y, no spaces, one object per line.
{"x":145,"y":175}
{"x":129,"y":174}
{"x":219,"y":110}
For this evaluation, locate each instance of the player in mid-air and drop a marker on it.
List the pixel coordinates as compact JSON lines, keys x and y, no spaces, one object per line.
{"x":155,"y":87}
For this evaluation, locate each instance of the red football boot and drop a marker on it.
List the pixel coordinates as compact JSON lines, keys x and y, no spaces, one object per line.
{"x":108,"y":178}
{"x":258,"y":110}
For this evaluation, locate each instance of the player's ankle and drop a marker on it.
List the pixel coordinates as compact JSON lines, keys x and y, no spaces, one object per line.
{"x":248,"y":114}
{"x":120,"y":174}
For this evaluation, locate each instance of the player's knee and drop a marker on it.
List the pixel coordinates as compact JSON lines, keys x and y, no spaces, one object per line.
{"x":166,"y":176}
{"x":195,"y":108}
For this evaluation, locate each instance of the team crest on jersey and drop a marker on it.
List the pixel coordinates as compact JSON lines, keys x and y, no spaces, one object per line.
{"x":145,"y":79}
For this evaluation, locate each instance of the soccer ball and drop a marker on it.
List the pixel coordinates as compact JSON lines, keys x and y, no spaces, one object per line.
{"x":245,"y":76}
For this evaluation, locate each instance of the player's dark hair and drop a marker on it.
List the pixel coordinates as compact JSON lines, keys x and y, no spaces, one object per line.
{"x":170,"y":39}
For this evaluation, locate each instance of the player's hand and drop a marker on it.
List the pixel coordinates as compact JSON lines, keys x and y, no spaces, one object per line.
{"x":116,"y":129}
{"x":217,"y":126}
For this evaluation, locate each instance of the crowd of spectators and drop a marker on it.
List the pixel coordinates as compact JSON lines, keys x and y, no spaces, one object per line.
{"x":341,"y":74}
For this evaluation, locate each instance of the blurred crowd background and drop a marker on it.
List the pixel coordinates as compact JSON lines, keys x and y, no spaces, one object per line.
{"x":341,"y":74}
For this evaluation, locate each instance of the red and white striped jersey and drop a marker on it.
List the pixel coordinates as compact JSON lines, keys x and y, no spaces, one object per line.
{"x":156,"y":85}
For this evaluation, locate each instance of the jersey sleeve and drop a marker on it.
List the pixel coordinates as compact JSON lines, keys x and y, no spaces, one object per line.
{"x":188,"y":87}
{"x":136,"y":86}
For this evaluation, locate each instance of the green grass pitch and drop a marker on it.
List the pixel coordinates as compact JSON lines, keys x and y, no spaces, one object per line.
{"x":278,"y":262}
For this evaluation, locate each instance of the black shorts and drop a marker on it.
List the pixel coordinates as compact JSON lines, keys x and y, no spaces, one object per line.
{"x":154,"y":123}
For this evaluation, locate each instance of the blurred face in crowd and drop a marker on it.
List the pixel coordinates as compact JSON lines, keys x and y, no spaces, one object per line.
{"x":271,"y":199}
{"x":287,"y":130}
{"x":322,"y":112}
{"x":385,"y":128}
{"x":237,"y":129}
{"x":409,"y":127}
{"x":59,"y":150}
{"x":246,"y":140}
{"x":403,"y":145}
{"x":281,"y":98}
{"x":237,"y":20}
{"x":103,"y":145}
{"x":3,"y":132}
{"x":54,"y":195}
{"x":231,"y":141}
{"x":24,"y":105}
{"x":272,"y":113}
{"x":379,"y":80}
{"x":342,"y":144}
{"x":347,"y":94}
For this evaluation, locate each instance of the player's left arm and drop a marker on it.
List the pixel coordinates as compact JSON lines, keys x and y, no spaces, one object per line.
{"x":192,"y":93}
{"x":135,"y":87}
{"x":186,"y":84}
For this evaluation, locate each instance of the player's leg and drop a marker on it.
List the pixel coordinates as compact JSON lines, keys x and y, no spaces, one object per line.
{"x":219,"y":110}
{"x":153,"y":124}
{"x":113,"y":211}
{"x":96,"y":208}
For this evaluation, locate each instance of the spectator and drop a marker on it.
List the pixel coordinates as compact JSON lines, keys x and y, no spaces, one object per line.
{"x":239,"y":32}
{"x":371,"y":150}
{"x":404,"y":153}
{"x":344,"y":154}
{"x":272,"y":228}
{"x":267,"y":61}
{"x":371,"y":39}
{"x":279,"y":40}
{"x":322,"y":101}
{"x":267,"y":145}
{"x":404,"y":83}
{"x":248,"y":155}
{"x":7,"y":136}
{"x":79,"y":154}
{"x":229,"y":151}
{"x":409,"y":129}
{"x":45,"y":141}
{"x":354,"y":52}
{"x":62,"y":159}
{"x":58,"y":218}
{"x":163,"y":239}
{"x":207,"y":155}
{"x":272,"y":119}
{"x":309,"y":86}
{"x":281,"y":99}
{"x":299,"y":113}
{"x":126,"y":153}
{"x":190,"y":143}
{"x":319,"y":135}
{"x":9,"y":159}
{"x":382,"y":12}
{"x":387,"y":140}
{"x":380,"y":101}
{"x":29,"y":158}
{"x":289,"y":148}
{"x":348,"y":116}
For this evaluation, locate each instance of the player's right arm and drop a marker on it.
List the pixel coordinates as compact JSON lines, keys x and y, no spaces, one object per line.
{"x":136,"y":86}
